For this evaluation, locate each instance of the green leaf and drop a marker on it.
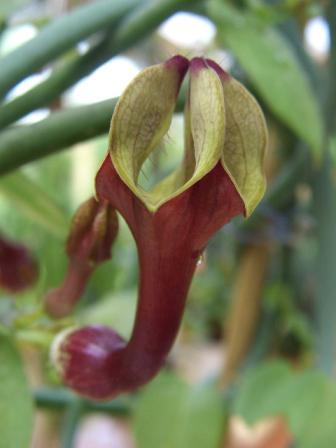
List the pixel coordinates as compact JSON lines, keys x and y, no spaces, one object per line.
{"x":16,"y":406}
{"x":306,"y":399}
{"x":172,"y":414}
{"x":263,"y":385}
{"x":273,"y":68}
{"x":34,"y":203}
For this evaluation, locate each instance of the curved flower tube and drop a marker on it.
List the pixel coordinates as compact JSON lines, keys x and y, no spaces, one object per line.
{"x":18,"y":269}
{"x":221,"y":176}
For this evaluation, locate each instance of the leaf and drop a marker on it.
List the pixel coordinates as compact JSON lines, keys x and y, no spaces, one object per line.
{"x":263,"y":385}
{"x":172,"y":414}
{"x":306,"y":399}
{"x":273,"y":68}
{"x":16,"y":405}
{"x":34,"y":203}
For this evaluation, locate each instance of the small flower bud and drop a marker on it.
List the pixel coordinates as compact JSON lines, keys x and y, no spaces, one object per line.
{"x":93,"y":231}
{"x":18,"y":269}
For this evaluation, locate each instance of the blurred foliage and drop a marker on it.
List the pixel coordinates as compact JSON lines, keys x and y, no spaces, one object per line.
{"x":16,"y":403}
{"x":190,"y":416}
{"x":264,"y":44}
{"x":307,"y":399}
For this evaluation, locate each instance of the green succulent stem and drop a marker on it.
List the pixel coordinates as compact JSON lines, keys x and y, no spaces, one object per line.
{"x":59,"y":399}
{"x":325,"y":215}
{"x":70,"y":421}
{"x":132,"y":29}
{"x":59,"y":36}
{"x":20,"y":145}
{"x":23,"y":144}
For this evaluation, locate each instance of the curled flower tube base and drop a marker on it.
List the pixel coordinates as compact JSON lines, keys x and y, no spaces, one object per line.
{"x":221,"y":176}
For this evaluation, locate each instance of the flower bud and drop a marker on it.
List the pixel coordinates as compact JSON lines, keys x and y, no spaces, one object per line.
{"x":18,"y":269}
{"x":93,"y":230}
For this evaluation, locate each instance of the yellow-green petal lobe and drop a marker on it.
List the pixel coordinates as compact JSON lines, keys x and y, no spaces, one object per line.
{"x":204,"y":129}
{"x":245,"y":143}
{"x":207,"y":119}
{"x":204,"y":134}
{"x":142,"y":117}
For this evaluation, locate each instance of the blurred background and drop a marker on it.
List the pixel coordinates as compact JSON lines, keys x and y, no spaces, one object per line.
{"x":254,"y":362}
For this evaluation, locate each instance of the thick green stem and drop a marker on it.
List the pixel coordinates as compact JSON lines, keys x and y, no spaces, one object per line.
{"x":23,"y":144}
{"x":20,"y":145}
{"x":70,"y":422}
{"x":133,"y":28}
{"x":59,"y":399}
{"x":325,"y":303}
{"x":325,"y":213}
{"x":59,"y":36}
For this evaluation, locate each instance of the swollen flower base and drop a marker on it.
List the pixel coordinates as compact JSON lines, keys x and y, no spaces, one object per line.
{"x":220,"y":177}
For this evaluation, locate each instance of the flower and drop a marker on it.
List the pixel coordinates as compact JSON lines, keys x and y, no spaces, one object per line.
{"x":18,"y":269}
{"x":221,"y":176}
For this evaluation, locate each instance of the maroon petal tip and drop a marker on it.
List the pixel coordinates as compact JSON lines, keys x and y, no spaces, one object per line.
{"x":224,"y":76}
{"x":179,"y":63}
{"x":197,"y":64}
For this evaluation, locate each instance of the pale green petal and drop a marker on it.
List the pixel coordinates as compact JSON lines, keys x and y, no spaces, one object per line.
{"x":140,"y":120}
{"x":173,"y":182}
{"x":245,"y":143}
{"x":204,"y":132}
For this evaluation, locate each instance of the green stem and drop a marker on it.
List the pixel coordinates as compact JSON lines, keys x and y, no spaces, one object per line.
{"x":59,"y":36}
{"x":132,"y":29}
{"x":325,"y":213}
{"x":325,"y":303}
{"x":71,"y":419}
{"x":59,"y":399}
{"x":23,"y":144}
{"x":20,"y":145}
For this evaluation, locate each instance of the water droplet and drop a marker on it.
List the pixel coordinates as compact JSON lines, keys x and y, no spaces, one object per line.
{"x":201,"y":263}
